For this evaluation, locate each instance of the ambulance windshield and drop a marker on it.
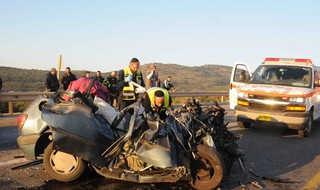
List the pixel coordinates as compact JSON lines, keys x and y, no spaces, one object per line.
{"x":282,"y":75}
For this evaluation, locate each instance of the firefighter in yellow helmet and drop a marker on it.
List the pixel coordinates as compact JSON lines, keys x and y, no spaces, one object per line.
{"x":126,"y":93}
{"x":156,"y":101}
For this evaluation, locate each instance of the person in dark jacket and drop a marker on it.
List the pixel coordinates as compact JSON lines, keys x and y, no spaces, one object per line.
{"x":99,"y":77}
{"x":67,"y":78}
{"x":52,"y":82}
{"x":126,"y":93}
{"x":0,"y":83}
{"x":111,"y":84}
{"x":0,"y":91}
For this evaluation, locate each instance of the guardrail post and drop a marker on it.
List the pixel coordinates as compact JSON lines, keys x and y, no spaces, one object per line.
{"x":10,"y":105}
{"x":221,"y":99}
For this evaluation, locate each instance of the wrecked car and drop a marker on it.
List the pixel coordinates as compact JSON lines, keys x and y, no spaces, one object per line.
{"x":71,"y":135}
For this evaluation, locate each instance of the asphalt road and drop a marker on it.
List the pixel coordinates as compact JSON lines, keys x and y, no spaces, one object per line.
{"x":276,"y":157}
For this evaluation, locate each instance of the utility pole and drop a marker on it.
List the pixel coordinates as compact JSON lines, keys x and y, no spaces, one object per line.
{"x":59,"y":67}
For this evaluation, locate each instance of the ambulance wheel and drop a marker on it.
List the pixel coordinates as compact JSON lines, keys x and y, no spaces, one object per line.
{"x":244,"y":124}
{"x":306,"y":132}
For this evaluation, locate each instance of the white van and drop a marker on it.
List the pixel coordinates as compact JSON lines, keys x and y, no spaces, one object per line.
{"x":281,"y":90}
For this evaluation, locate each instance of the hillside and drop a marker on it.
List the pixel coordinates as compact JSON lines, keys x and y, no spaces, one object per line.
{"x":197,"y":78}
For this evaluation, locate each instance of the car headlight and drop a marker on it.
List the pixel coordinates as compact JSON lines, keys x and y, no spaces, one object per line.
{"x":243,"y":95}
{"x":299,"y":100}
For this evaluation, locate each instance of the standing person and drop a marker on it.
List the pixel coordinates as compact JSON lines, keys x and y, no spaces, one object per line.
{"x":168,"y":85}
{"x":67,"y":78}
{"x":0,"y":91}
{"x":87,"y":74}
{"x":0,"y":84}
{"x":52,"y":82}
{"x":111,"y":84}
{"x":126,"y":93}
{"x":99,"y":77}
{"x":156,"y":101}
{"x":152,"y":78}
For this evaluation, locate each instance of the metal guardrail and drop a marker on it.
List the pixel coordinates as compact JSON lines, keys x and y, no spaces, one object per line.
{"x":199,"y":93}
{"x":21,"y":96}
{"x":11,"y":97}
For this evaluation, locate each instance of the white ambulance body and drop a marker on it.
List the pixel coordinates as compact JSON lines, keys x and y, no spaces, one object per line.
{"x":281,"y":90}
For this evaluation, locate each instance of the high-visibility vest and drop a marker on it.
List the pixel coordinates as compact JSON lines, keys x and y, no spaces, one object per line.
{"x":128,"y":91}
{"x":151,"y":95}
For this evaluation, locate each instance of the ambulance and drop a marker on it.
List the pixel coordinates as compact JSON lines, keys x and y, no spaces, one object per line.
{"x":281,"y":91}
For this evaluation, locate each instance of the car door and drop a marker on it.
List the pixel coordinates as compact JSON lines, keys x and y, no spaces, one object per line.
{"x":240,"y":75}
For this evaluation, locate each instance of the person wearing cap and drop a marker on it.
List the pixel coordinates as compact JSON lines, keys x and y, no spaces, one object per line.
{"x":156,"y":101}
{"x":67,"y":78}
{"x":126,"y":92}
{"x":152,"y":78}
{"x":52,"y":83}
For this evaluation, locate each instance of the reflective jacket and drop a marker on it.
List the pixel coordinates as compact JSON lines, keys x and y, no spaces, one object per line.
{"x":128,"y":91}
{"x":166,"y":102}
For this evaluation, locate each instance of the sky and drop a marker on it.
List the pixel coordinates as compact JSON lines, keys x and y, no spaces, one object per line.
{"x":104,"y":35}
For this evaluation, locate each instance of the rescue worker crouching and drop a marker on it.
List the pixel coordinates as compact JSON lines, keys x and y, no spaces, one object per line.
{"x":126,"y":92}
{"x":156,"y":101}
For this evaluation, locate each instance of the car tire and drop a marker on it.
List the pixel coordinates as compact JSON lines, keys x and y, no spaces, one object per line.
{"x":207,"y":168}
{"x":306,"y":131}
{"x":62,"y":166}
{"x":244,"y":124}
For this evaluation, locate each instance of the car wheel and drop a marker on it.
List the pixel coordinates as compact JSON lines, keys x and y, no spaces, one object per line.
{"x":207,"y":168}
{"x":244,"y":124}
{"x":62,"y":166}
{"x":306,"y":132}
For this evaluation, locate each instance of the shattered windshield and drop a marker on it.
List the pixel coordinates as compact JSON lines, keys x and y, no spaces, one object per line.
{"x":282,"y":75}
